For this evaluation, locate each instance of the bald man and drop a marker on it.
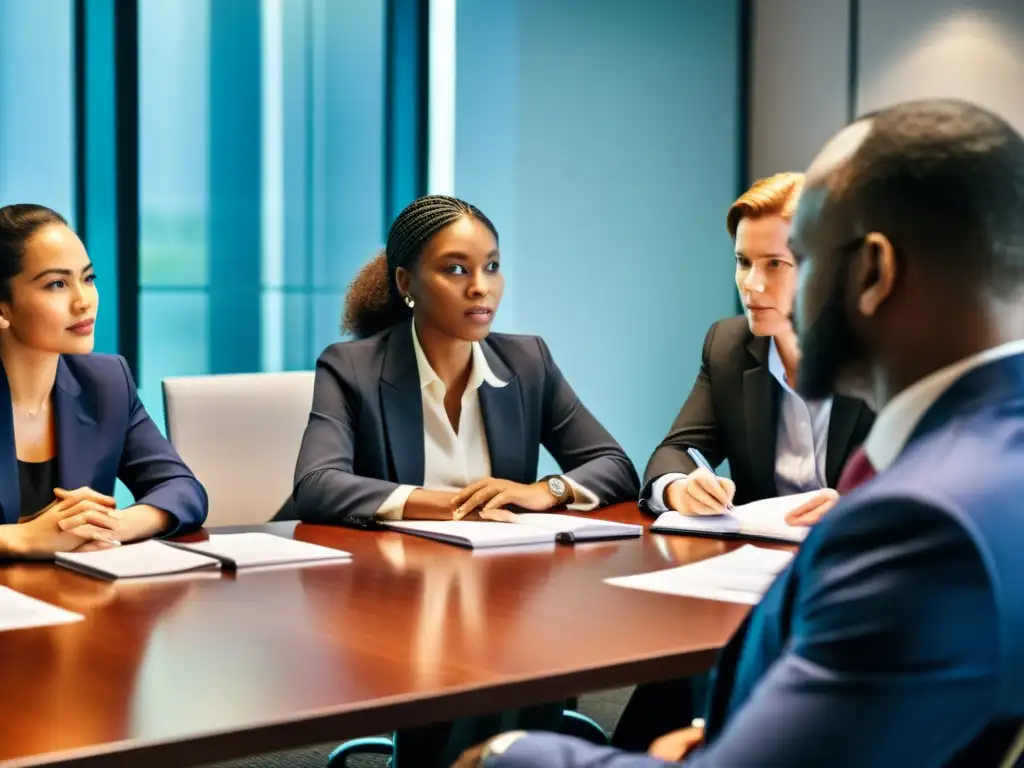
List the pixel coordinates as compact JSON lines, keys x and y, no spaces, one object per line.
{"x":896,"y":636}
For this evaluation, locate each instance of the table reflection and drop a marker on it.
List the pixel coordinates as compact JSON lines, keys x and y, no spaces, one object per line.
{"x":78,"y":690}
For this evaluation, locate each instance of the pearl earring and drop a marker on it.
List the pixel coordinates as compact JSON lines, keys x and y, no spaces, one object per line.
{"x":409,"y":302}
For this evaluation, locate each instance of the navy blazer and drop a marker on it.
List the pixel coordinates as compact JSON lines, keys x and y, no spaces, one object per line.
{"x":894,"y":637}
{"x":104,"y":433}
{"x":365,"y":432}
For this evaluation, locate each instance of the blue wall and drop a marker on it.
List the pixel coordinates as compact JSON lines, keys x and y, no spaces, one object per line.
{"x":601,"y":137}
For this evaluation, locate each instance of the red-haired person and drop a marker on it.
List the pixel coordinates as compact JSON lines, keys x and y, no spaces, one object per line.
{"x":744,"y":409}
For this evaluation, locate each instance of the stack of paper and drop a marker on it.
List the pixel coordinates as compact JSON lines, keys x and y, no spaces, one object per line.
{"x":250,"y":550}
{"x":765,"y":519}
{"x":742,"y":576}
{"x":527,"y":528}
{"x":18,"y":611}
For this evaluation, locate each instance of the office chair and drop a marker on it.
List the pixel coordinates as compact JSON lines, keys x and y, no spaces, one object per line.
{"x":250,"y":426}
{"x":240,"y":435}
{"x":573,"y":724}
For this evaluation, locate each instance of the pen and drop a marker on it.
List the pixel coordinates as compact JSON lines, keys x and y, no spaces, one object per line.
{"x":699,"y":459}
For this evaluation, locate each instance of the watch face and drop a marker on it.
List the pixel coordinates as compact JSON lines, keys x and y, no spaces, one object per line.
{"x":557,"y":486}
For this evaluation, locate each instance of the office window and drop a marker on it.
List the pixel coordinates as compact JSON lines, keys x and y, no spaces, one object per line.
{"x":37,"y":104}
{"x":261,"y":179}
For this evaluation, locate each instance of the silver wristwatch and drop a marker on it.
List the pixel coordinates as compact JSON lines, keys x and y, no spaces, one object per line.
{"x":559,"y":488}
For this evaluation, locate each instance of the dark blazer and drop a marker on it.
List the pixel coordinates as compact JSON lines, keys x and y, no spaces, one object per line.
{"x":732,"y":414}
{"x":365,"y":431}
{"x":104,"y":433}
{"x":893,"y":639}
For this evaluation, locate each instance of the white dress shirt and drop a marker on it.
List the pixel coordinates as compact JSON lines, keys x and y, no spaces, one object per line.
{"x":452,"y":460}
{"x":801,"y":441}
{"x":898,"y":420}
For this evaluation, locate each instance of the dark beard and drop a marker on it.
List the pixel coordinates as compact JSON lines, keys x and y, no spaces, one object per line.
{"x":828,"y":347}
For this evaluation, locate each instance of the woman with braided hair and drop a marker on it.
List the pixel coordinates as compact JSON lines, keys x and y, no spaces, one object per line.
{"x":428,"y":415}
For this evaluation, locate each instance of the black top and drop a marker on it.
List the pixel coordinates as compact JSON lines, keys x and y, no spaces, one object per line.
{"x":37,"y":479}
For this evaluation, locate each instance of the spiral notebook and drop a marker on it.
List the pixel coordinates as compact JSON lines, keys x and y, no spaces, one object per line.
{"x":765,"y":520}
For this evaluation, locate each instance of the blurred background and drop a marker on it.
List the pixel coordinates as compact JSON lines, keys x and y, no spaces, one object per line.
{"x":231,"y":164}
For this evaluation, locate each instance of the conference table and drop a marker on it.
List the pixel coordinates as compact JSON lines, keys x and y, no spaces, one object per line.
{"x":198,"y":668}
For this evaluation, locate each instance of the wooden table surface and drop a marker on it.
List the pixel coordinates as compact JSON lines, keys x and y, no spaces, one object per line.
{"x":197,"y":669}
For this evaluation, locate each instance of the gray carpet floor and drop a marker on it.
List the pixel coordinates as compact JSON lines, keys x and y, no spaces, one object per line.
{"x":604,"y":707}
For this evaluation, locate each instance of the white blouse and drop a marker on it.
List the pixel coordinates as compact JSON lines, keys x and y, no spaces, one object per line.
{"x":452,"y":460}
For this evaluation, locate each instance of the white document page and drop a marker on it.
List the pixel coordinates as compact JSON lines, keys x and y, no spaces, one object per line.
{"x":765,"y":518}
{"x":18,"y":611}
{"x":741,"y":576}
{"x":768,"y":516}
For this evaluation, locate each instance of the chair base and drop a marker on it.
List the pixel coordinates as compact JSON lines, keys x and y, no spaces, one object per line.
{"x":376,"y":745}
{"x":583,"y":727}
{"x":573,"y":724}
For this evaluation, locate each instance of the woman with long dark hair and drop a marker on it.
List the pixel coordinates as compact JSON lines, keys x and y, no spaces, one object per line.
{"x":71,"y":421}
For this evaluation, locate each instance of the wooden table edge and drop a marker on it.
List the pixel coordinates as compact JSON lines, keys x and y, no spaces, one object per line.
{"x":383,"y":715}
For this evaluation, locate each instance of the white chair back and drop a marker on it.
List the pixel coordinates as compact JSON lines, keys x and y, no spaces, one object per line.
{"x":240,"y":435}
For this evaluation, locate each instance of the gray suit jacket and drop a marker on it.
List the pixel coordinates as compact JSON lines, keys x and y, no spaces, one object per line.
{"x":365,"y":432}
{"x":732,"y":414}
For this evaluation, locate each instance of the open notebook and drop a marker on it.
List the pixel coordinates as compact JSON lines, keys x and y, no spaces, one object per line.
{"x":529,"y":528}
{"x":252,"y":550}
{"x":130,"y":561}
{"x":765,"y":519}
{"x":164,"y":558}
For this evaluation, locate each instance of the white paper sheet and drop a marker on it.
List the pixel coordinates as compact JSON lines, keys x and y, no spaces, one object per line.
{"x":765,"y":518}
{"x":18,"y":611}
{"x":769,"y":515}
{"x":741,"y":576}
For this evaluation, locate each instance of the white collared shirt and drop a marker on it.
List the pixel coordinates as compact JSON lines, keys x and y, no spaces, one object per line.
{"x":898,"y":420}
{"x":452,"y":460}
{"x":801,"y":435}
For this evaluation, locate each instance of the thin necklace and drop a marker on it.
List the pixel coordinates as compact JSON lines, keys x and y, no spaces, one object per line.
{"x":42,"y":408}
